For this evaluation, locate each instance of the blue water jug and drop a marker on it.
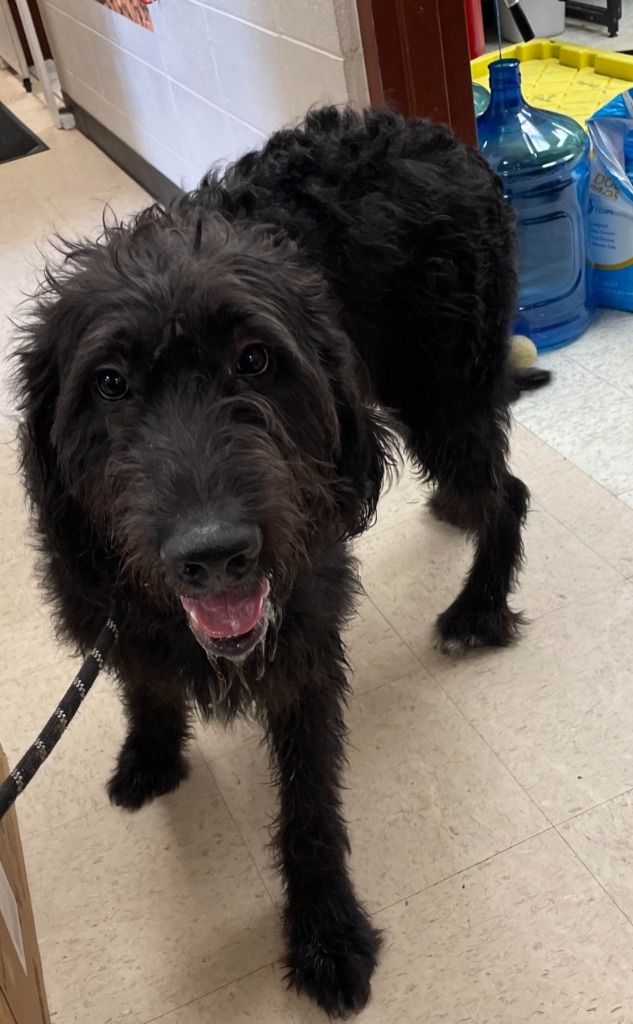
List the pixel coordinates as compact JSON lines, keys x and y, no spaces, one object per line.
{"x":542,"y":159}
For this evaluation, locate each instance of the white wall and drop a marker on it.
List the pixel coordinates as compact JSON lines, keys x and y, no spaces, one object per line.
{"x":212,"y":79}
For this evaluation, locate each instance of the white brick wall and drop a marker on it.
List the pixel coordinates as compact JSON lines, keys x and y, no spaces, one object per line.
{"x":212,"y":79}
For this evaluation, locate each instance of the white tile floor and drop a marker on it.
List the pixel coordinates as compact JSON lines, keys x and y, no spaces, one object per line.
{"x":489,"y":800}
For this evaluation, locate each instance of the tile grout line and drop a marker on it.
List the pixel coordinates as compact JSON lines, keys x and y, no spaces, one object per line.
{"x":227,"y":753}
{"x":465,"y":718}
{"x":571,"y":459}
{"x":196,"y":999}
{"x":494,"y":753}
{"x":376,"y":530}
{"x":400,"y":637}
{"x":598,"y":376}
{"x":469,"y":867}
{"x":552,"y":828}
{"x":593,"y":807}
{"x":594,"y":876}
{"x":498,"y":758}
{"x":549,"y":828}
{"x":242,"y":837}
{"x":428,"y":667}
{"x":559,"y":455}
{"x":358,"y":695}
{"x":546,"y":831}
{"x":577,"y":535}
{"x":28,"y":836}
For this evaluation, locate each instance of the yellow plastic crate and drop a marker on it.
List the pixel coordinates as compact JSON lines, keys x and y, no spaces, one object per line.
{"x":574,"y":80}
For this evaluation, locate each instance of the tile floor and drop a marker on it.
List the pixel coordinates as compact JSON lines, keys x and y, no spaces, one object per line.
{"x":490,"y":801}
{"x":586,"y":34}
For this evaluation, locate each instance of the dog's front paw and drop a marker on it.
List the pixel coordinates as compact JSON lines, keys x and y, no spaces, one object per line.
{"x":144,"y":770}
{"x":467,"y":624}
{"x":333,"y":956}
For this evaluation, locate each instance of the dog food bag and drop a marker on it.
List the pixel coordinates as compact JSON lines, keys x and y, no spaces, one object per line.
{"x":611,"y":202}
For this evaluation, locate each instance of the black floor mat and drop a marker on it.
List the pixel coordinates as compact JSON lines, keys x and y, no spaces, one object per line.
{"x":16,"y":140}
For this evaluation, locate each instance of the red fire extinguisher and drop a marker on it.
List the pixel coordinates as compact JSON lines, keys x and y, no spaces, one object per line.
{"x":475,"y":25}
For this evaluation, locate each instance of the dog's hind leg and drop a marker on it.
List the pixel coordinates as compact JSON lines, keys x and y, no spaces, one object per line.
{"x":151,"y":761}
{"x":332,"y":945}
{"x":477,"y":492}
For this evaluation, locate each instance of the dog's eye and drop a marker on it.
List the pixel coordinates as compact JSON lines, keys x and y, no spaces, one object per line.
{"x":253,"y":361}
{"x":111,"y":385}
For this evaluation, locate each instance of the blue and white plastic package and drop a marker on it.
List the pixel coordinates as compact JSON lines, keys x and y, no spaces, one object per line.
{"x":611,"y":202}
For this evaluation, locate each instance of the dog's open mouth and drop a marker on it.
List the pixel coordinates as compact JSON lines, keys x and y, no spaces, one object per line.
{"x":229,"y":625}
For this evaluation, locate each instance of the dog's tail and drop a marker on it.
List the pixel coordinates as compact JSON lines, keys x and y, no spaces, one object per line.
{"x":528,"y":380}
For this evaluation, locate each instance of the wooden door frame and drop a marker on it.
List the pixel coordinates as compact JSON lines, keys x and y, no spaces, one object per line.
{"x":416,"y":58}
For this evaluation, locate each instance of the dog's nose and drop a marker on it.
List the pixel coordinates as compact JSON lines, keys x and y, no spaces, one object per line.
{"x":216,"y":554}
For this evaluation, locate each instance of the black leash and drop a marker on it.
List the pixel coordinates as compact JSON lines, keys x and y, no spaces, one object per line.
{"x":63,"y":715}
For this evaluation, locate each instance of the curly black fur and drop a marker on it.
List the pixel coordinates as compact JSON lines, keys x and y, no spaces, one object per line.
{"x":372,"y":258}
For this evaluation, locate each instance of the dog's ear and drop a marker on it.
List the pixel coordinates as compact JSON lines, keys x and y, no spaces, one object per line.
{"x":37,"y":384}
{"x":368,"y":454}
{"x":64,"y":533}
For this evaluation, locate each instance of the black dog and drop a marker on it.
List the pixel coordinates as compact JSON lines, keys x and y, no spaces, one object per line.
{"x":201,"y":438}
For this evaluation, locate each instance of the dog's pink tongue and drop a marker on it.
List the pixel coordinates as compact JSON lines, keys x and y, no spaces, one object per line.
{"x":224,"y":615}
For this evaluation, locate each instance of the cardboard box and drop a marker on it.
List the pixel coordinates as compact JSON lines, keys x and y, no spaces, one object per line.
{"x":22,"y":995}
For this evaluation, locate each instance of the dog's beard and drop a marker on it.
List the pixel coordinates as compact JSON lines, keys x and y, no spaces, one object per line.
{"x":243,"y":670}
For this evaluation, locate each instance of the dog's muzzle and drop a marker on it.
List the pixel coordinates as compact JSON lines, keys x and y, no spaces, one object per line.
{"x":213,"y":565}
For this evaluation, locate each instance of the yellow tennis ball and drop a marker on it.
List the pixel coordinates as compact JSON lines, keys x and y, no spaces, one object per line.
{"x":522,"y":352}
